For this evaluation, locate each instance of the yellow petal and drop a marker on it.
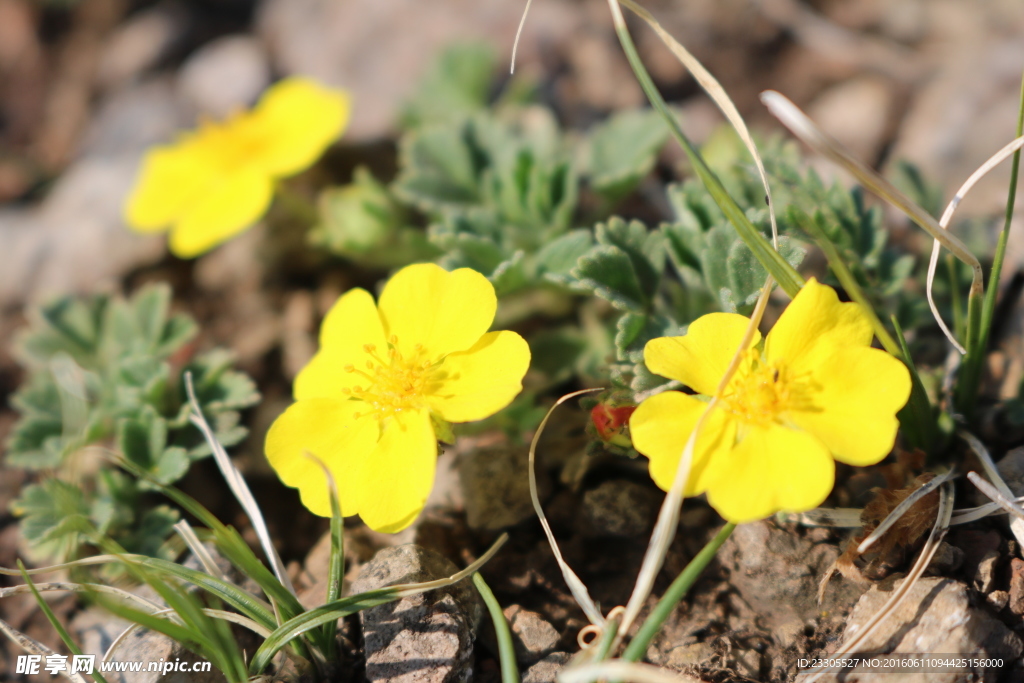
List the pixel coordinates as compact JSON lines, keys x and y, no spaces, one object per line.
{"x":351,"y":324}
{"x":170,"y":179}
{"x":813,"y":325}
{"x":859,"y":392}
{"x":395,"y":480}
{"x":771,"y":469}
{"x":482,"y":380}
{"x":660,"y":428}
{"x":336,"y":433}
{"x":221,"y":212}
{"x":700,"y":358}
{"x":445,"y":312}
{"x":300,"y":119}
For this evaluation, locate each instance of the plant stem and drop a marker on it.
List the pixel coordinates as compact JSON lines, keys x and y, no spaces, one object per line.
{"x":506,"y":651}
{"x":970,"y":375}
{"x":637,"y":648}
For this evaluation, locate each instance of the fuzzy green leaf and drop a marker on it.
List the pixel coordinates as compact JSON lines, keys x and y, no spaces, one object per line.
{"x":623,"y":150}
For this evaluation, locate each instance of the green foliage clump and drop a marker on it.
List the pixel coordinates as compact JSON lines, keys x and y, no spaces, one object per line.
{"x":105,"y":375}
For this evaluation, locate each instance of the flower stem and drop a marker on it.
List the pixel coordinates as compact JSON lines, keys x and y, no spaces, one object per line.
{"x":970,"y":375}
{"x":506,"y":651}
{"x":679,"y":588}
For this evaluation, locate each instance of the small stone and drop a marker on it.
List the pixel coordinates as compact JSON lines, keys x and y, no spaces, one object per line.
{"x":947,"y":560}
{"x":225,"y":76}
{"x":547,"y":669}
{"x":689,"y":656}
{"x":1011,"y":469}
{"x":998,"y":599}
{"x":532,"y":635}
{"x":139,"y":44}
{"x":425,"y":638}
{"x":619,"y":508}
{"x":984,"y":575}
{"x":936,"y":617}
{"x":1017,"y":586}
{"x":496,"y":487}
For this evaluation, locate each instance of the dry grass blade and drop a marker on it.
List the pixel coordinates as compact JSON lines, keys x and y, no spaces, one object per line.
{"x":238,"y":487}
{"x":801,"y":126}
{"x":997,"y":496}
{"x":1016,"y":523}
{"x":718,"y":95}
{"x":233,"y":617}
{"x":618,"y":670}
{"x":947,"y":216}
{"x":576,"y":587}
{"x":838,"y":518}
{"x":35,"y":647}
{"x":902,"y":508}
{"x":942,"y":520}
{"x":188,"y":535}
{"x":519,"y":33}
{"x":79,"y":588}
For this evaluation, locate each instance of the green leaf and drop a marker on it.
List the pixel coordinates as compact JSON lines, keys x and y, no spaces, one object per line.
{"x":441,"y":168}
{"x":646,"y":250}
{"x":608,"y":272}
{"x":623,"y":150}
{"x":556,"y":259}
{"x":53,"y":513}
{"x":456,"y":84}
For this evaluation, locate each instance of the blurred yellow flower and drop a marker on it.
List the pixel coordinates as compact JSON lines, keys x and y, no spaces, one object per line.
{"x":814,"y":392}
{"x":385,"y":385}
{"x":216,"y":181}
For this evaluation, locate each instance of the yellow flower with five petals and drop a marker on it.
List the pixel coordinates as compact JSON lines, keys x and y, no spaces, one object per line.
{"x":814,"y":391}
{"x":386,"y":383}
{"x":217,"y":181}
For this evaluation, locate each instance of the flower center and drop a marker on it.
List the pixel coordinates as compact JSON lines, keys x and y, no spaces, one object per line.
{"x":761,"y":393}
{"x":394,"y":383}
{"x":234,"y":142}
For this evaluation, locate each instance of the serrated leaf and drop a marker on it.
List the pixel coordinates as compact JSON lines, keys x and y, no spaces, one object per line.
{"x":623,"y":150}
{"x":608,"y":272}
{"x":745,"y":273}
{"x":441,"y":168}
{"x":510,"y":275}
{"x":50,"y":512}
{"x":646,"y":250}
{"x":634,"y":331}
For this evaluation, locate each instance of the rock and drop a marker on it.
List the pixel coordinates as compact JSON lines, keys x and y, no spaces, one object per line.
{"x":496,"y":487}
{"x":533,"y":637}
{"x":546,"y":669}
{"x":856,"y":112}
{"x":998,"y":599}
{"x":984,"y":575}
{"x":777,"y":573}
{"x":225,"y":75}
{"x":379,"y":49}
{"x":425,"y":638}
{"x":139,"y":44}
{"x":619,"y":508}
{"x":936,"y":617}
{"x":1011,"y":469}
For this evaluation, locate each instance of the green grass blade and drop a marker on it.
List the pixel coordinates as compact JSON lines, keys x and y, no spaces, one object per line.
{"x":339,"y":609}
{"x":637,"y":647}
{"x":917,"y":418}
{"x":52,"y":618}
{"x":506,"y":650}
{"x":787,"y":277}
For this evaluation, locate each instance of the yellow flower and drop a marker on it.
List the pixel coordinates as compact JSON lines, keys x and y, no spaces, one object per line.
{"x":385,"y":384}
{"x":215,"y":182}
{"x":814,"y":392}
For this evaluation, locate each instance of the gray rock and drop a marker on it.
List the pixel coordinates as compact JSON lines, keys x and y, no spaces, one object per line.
{"x":225,"y":75}
{"x":496,"y":487}
{"x":777,"y":573}
{"x":425,"y":638}
{"x":379,"y":49}
{"x":546,"y":669}
{"x":532,"y":636}
{"x":936,"y":617}
{"x":618,"y":508}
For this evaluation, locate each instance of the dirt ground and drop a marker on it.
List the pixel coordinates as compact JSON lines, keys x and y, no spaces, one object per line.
{"x":86,"y":85}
